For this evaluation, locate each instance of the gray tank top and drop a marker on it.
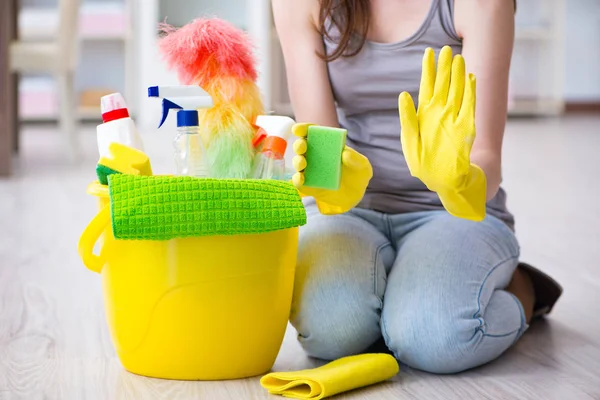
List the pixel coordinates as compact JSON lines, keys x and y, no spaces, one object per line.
{"x":366,"y":89}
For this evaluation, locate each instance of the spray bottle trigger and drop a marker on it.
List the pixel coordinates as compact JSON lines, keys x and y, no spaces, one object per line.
{"x":167,"y":106}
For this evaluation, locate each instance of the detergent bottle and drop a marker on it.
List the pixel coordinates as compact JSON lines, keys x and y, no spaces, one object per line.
{"x":117,"y":125}
{"x":270,"y":162}
{"x":190,"y":152}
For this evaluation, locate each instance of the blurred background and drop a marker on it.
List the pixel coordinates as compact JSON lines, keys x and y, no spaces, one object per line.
{"x":58,"y":57}
{"x":555,"y":68}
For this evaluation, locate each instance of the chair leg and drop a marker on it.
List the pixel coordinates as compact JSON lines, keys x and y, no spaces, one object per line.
{"x":68,"y":116}
{"x":16,"y":121}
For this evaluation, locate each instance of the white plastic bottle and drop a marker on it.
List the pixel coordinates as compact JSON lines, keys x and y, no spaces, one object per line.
{"x":270,"y":162}
{"x":189,"y":147}
{"x":117,"y":126}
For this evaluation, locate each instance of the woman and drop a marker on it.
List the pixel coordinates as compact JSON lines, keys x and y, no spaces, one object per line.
{"x":445,"y":292}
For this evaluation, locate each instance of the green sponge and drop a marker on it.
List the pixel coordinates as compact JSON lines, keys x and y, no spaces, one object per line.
{"x":324,"y":157}
{"x":102,"y":171}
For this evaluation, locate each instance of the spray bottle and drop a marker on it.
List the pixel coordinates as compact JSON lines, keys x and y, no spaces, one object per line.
{"x":190,"y":151}
{"x":184,"y":97}
{"x":270,"y":162}
{"x":190,"y":159}
{"x":117,"y":126}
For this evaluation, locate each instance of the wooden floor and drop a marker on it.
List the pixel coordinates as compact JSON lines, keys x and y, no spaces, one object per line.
{"x":54,"y":342}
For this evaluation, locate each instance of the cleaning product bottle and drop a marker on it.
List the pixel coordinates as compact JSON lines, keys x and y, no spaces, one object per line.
{"x":270,"y":162}
{"x":190,"y":157}
{"x":183,"y":97}
{"x":117,"y":126}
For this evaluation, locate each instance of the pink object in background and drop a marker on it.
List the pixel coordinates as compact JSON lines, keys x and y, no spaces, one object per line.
{"x":37,"y":98}
{"x":103,"y":24}
{"x":96,"y":19}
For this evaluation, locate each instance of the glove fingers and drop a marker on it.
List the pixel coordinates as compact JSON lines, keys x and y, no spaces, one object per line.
{"x":299,"y":163}
{"x":442,"y":79}
{"x":410,"y":137}
{"x":298,"y":179}
{"x":457,"y":84}
{"x":300,"y":146}
{"x":301,"y":129}
{"x":427,"y":77}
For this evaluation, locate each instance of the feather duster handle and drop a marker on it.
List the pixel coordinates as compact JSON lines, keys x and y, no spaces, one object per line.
{"x":217,"y":56}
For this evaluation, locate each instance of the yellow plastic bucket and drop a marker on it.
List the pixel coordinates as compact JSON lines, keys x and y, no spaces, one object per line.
{"x":203,"y":308}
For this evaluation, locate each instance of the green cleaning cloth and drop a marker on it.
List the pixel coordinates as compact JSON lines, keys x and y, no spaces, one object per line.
{"x":338,"y":376}
{"x":168,"y":207}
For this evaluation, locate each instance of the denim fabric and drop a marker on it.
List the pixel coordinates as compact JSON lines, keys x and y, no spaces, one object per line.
{"x":430,"y":284}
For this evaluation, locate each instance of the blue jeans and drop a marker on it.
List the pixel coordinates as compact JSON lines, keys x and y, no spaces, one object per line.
{"x":430,"y":284}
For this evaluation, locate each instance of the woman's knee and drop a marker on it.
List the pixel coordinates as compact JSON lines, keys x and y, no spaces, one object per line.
{"x":340,"y":282}
{"x":438,"y":346}
{"x":337,"y":331}
{"x":447,"y":345}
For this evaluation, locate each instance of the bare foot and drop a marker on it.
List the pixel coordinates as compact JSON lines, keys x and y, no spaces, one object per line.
{"x":522,"y":288}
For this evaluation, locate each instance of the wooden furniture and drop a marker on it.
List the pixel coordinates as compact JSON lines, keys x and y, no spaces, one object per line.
{"x":8,"y":87}
{"x":57,"y":56}
{"x":106,"y":58}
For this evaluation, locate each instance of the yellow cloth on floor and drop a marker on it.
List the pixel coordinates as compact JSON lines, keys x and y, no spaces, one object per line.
{"x":336,"y":377}
{"x":437,"y":139}
{"x":356,"y":175}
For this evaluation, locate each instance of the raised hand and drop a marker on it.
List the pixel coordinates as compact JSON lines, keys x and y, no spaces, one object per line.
{"x":437,"y":139}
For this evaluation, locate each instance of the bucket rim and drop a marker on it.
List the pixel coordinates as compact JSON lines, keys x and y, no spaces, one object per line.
{"x":97,"y":189}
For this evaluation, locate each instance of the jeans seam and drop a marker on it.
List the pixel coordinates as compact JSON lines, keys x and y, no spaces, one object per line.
{"x":376,"y":269}
{"x":386,"y":338}
{"x":479,"y":328}
{"x":502,"y":335}
{"x":389,"y":233}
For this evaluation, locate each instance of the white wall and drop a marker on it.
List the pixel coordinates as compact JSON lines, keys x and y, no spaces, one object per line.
{"x":582,"y":50}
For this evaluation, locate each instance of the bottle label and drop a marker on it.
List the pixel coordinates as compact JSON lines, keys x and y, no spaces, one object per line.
{"x":119,"y":113}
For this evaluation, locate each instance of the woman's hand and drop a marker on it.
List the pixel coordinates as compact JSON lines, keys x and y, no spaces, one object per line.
{"x":437,"y":139}
{"x":356,"y":174}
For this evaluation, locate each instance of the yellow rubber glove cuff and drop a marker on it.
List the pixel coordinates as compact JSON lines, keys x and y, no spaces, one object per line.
{"x":437,"y":139}
{"x":356,"y":175}
{"x":336,"y":377}
{"x":469,"y":202}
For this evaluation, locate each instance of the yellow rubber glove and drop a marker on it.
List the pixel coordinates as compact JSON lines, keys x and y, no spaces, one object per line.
{"x":437,"y":140}
{"x":356,"y":174}
{"x":336,"y":377}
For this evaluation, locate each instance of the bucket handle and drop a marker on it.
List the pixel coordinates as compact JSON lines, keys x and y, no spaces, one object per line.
{"x":90,"y":236}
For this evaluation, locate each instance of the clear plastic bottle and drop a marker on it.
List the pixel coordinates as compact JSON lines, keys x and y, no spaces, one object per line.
{"x":189,"y":146}
{"x":269,"y":163}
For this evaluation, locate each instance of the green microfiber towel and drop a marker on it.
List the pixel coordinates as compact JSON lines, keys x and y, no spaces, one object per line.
{"x":102,"y":171}
{"x":168,"y":207}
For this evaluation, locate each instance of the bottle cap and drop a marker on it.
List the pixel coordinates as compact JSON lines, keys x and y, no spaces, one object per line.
{"x":187,"y":118}
{"x":113,"y":107}
{"x":153,"y":91}
{"x":275,"y":144}
{"x":258,"y":138}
